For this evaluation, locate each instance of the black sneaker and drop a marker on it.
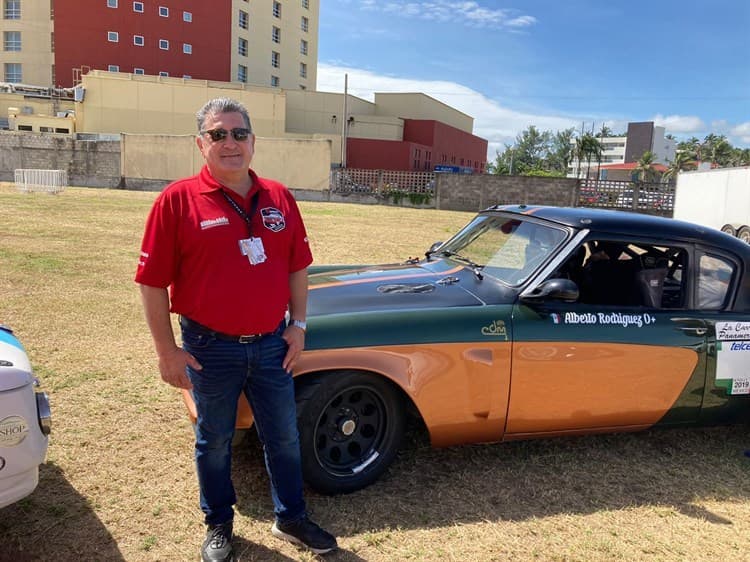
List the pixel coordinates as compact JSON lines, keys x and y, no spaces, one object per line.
{"x":218,"y":544}
{"x":305,"y":533}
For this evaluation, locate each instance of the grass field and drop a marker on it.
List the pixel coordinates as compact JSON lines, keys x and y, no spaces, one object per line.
{"x":119,"y":482}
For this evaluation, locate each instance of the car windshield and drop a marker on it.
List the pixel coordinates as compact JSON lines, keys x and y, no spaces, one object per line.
{"x":509,"y":249}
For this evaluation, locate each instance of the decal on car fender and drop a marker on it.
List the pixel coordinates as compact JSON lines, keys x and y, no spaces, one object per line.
{"x":13,"y":430}
{"x":604,"y":319}
{"x":733,"y":357}
{"x":497,"y":328}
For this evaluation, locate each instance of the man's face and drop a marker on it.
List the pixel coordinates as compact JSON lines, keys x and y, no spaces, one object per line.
{"x":227,"y":156}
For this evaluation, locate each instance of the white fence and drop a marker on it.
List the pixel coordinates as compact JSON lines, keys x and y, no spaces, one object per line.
{"x":47,"y":181}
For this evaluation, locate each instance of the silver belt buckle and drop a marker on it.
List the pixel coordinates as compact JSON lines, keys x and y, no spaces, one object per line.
{"x":248,"y":339}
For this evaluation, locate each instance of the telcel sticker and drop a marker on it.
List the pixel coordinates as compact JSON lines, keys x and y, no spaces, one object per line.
{"x":733,"y":357}
{"x":13,"y":430}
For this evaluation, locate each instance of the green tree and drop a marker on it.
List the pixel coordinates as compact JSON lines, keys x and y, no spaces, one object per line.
{"x":561,"y":151}
{"x":683,"y":160}
{"x":589,"y":148}
{"x":644,"y":169}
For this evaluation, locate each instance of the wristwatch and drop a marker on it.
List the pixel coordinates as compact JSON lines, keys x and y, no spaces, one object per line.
{"x":300,"y":324}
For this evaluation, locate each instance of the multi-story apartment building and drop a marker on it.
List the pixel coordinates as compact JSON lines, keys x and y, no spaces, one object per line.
{"x":263,"y":42}
{"x":640,"y":137}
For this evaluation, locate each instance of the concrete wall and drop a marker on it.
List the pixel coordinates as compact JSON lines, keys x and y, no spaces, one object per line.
{"x":148,"y":162}
{"x":95,"y":164}
{"x":457,"y":192}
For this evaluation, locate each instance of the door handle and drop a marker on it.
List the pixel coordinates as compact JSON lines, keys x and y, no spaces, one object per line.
{"x":694,"y":331}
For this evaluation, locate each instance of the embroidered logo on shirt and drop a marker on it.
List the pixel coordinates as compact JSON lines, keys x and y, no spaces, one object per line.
{"x":273,"y":219}
{"x":210,"y":223}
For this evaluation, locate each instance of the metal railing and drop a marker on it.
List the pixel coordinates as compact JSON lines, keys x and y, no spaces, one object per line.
{"x":653,"y":198}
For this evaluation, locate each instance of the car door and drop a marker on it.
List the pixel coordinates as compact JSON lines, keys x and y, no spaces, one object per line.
{"x":610,"y":365}
{"x":728,"y":332}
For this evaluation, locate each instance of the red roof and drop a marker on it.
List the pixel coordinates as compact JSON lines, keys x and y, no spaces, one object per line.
{"x":632,"y":166}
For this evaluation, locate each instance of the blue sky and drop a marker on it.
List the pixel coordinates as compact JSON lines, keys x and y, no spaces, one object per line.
{"x":550,"y":63}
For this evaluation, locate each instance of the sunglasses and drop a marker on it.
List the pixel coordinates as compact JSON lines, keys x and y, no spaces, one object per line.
{"x":239,"y":134}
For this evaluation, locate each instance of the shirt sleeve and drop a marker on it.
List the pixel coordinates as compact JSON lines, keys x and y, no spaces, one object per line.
{"x":158,"y":258}
{"x":301,"y":255}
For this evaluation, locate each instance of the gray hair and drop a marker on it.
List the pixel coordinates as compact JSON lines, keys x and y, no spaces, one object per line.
{"x":222,"y":105}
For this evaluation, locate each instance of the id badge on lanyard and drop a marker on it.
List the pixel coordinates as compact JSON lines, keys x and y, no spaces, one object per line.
{"x":252,"y":246}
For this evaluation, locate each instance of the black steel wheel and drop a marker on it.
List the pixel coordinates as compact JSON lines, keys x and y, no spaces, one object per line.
{"x":350,"y":426}
{"x":743,"y":233}
{"x":729,"y":229}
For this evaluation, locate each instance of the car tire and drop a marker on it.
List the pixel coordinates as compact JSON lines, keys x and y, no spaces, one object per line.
{"x":743,"y":233}
{"x":729,"y":229}
{"x":350,"y":427}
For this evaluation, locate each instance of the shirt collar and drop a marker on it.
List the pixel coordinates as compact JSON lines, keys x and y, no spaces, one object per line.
{"x":208,"y":183}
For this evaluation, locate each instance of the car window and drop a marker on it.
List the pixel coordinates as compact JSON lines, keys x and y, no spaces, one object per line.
{"x":714,"y":276}
{"x":509,"y":249}
{"x":625,"y":273}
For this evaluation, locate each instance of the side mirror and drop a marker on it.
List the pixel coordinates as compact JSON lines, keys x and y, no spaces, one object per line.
{"x":433,"y":248}
{"x":554,"y":289}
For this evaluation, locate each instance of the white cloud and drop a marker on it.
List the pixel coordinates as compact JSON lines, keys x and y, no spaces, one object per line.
{"x":499,"y":124}
{"x":469,"y":13}
{"x":679,"y":123}
{"x":741,"y":132}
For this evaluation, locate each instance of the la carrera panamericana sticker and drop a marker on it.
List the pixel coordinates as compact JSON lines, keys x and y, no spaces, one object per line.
{"x":733,"y":356}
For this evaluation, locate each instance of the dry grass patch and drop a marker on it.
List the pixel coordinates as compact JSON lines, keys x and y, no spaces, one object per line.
{"x":119,"y":481}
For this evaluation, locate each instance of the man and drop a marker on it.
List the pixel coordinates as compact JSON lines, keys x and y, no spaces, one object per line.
{"x":232,"y":249}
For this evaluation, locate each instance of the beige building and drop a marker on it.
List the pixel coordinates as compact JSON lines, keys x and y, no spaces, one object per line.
{"x":27,"y":51}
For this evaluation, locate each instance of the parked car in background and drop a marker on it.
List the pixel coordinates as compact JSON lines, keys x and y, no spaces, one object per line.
{"x":529,"y":322}
{"x":25,"y":421}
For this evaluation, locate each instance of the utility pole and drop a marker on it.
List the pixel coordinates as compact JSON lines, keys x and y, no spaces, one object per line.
{"x":344,"y":123}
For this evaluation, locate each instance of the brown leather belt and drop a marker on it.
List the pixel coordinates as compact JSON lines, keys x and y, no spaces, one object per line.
{"x":194,"y":326}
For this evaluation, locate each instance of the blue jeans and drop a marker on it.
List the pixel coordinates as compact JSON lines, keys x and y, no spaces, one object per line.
{"x":230,"y":368}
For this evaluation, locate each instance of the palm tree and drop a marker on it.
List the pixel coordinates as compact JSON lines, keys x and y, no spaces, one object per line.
{"x":683,"y":160}
{"x":588,"y":146}
{"x":644,"y":170}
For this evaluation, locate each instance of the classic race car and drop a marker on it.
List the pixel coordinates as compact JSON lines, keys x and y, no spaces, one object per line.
{"x":529,"y":322}
{"x":25,"y":422}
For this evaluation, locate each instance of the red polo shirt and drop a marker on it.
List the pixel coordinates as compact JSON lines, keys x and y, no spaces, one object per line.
{"x":191,"y":245}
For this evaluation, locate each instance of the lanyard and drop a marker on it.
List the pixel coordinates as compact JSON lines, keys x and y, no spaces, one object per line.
{"x":253,"y":207}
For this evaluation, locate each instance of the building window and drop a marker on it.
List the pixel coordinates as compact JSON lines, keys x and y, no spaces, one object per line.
{"x":113,"y":68}
{"x":138,"y":7}
{"x":306,"y":4}
{"x":164,"y":11}
{"x":243,"y":20}
{"x":303,"y":70}
{"x":139,"y":71}
{"x":13,"y":72}
{"x":12,"y":40}
{"x":303,"y":46}
{"x":162,"y":73}
{"x":242,"y":47}
{"x":275,"y":59}
{"x":113,"y":36}
{"x":275,"y":81}
{"x":187,"y":48}
{"x":275,"y":34}
{"x":12,"y":10}
{"x":186,"y":76}
{"x":277,"y":9}
{"x":111,"y":3}
{"x":242,"y":73}
{"x":163,"y":44}
{"x":305,"y":24}
{"x":187,"y":16}
{"x":138,"y":40}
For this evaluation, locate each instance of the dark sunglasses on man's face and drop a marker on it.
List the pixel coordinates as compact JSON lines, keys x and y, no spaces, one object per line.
{"x":239,"y":134}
